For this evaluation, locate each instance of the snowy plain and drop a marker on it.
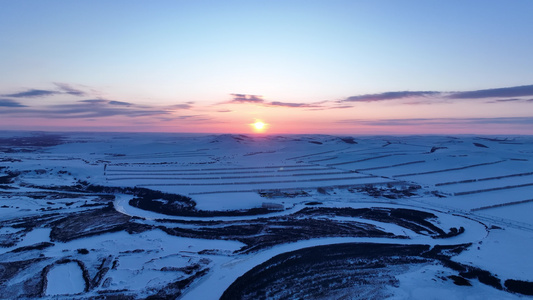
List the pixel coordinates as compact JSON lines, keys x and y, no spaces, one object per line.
{"x":88,"y":215}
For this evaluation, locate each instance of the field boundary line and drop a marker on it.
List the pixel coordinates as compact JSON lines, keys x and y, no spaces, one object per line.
{"x":392,"y":166}
{"x":493,"y":189}
{"x":304,"y":188}
{"x":225,"y":169}
{"x":501,"y":205}
{"x":258,"y":182}
{"x":484,"y":179}
{"x":360,"y":160}
{"x":319,"y":153}
{"x":148,"y":177}
{"x":450,"y":169}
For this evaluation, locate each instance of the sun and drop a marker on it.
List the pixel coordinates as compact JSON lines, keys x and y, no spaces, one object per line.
{"x":259,"y":126}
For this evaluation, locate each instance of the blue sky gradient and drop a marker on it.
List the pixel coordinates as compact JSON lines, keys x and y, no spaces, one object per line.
{"x":194,"y":58}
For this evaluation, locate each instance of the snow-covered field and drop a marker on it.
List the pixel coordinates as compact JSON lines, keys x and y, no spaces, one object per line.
{"x":131,"y":215}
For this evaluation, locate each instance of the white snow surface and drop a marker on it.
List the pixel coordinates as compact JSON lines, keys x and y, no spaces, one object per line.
{"x":228,"y":172}
{"x":65,"y":279}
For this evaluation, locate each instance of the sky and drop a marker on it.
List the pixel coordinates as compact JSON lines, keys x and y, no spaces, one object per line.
{"x":301,"y":67}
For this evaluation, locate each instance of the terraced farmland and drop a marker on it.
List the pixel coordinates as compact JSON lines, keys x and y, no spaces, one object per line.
{"x":207,"y":217}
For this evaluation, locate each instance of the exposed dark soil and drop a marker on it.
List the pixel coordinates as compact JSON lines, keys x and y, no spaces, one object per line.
{"x":179,"y":208}
{"x":348,"y":140}
{"x":480,"y":145}
{"x":29,"y":288}
{"x":519,"y":286}
{"x":414,"y":220}
{"x":435,"y":148}
{"x":323,"y":271}
{"x":174,"y":289}
{"x":332,"y":271}
{"x":25,"y":144}
{"x":311,"y":222}
{"x":93,"y":222}
{"x":458,"y":280}
{"x":26,"y":225}
{"x":388,"y":192}
{"x":38,"y":246}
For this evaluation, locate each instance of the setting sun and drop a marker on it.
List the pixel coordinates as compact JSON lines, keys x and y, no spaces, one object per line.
{"x":259,"y":126}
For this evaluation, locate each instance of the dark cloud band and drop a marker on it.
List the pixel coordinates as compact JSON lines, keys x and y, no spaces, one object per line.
{"x":33,"y":94}
{"x":430,"y":96}
{"x":10,"y":103}
{"x":442,"y":121}
{"x":390,"y":96}
{"x":517,"y":91}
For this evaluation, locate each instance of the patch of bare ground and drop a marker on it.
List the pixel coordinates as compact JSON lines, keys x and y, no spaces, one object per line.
{"x":312,"y":222}
{"x":93,"y":222}
{"x":360,"y":270}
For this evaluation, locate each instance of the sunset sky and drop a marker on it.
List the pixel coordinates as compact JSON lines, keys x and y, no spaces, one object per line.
{"x":335,"y":67}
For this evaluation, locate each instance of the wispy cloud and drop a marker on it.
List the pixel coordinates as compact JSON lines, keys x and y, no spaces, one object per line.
{"x":390,"y":96}
{"x":259,"y":100}
{"x":442,"y":121}
{"x":122,"y":103}
{"x":516,"y":91}
{"x":106,"y":102}
{"x":245,"y":98}
{"x":433,"y":96}
{"x":32,"y":93}
{"x":68,"y":89}
{"x":10,"y":103}
{"x":288,"y":104}
{"x":506,"y":100}
{"x":61,"y":89}
{"x":189,"y":118}
{"x":511,"y":100}
{"x":94,"y":101}
{"x":408,"y":97}
{"x":187,"y":105}
{"x":83,"y":109}
{"x":89,"y":108}
{"x":98,"y":109}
